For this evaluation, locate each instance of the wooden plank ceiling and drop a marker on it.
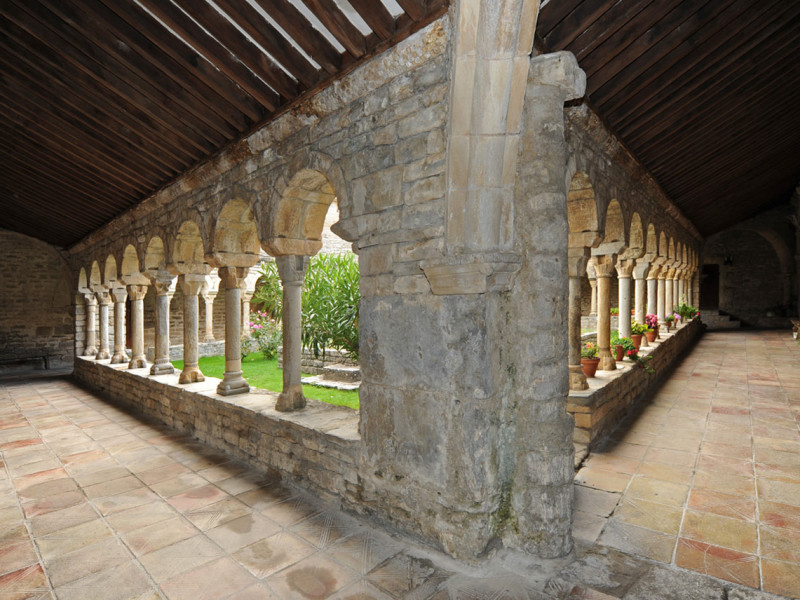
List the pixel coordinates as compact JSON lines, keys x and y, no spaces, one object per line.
{"x":102,"y":102}
{"x":705,"y":93}
{"x":105,"y":101}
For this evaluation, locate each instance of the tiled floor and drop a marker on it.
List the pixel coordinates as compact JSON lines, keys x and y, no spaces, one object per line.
{"x":707,"y":476}
{"x":97,"y":505}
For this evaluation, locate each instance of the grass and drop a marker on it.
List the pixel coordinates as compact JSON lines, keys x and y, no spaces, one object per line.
{"x":266,"y":375}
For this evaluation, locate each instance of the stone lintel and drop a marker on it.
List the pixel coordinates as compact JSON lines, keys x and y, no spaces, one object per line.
{"x":472,"y":274}
{"x":561,"y":70}
{"x":221,"y":259}
{"x":608,"y":248}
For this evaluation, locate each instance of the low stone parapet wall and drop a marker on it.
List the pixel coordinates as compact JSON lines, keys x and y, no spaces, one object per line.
{"x":315,"y":365}
{"x":613,"y":394}
{"x":215,"y":348}
{"x":319,"y":445}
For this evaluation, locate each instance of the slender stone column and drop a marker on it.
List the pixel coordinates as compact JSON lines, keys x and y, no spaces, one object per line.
{"x":577,"y":260}
{"x":163,"y":287}
{"x":246,"y":297}
{"x":208,"y":298}
{"x":640,"y":272}
{"x":604,"y":268}
{"x":669,"y":295}
{"x":662,"y":278}
{"x":593,"y":283}
{"x":292,"y":270}
{"x":190,"y":286}
{"x":137,"y":294}
{"x":120,"y":294}
{"x":91,"y":325}
{"x":624,"y":272}
{"x":233,"y":382}
{"x":104,"y":300}
{"x":652,"y":290}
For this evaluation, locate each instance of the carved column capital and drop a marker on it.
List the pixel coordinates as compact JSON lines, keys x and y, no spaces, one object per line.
{"x":191,"y":283}
{"x":625,"y":268}
{"x":232,"y":277}
{"x":137,"y":292}
{"x":292,"y":269}
{"x":604,"y":265}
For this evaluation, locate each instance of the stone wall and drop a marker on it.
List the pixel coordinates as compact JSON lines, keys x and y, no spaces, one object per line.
{"x":319,"y":446}
{"x":36,"y":303}
{"x":598,"y":411}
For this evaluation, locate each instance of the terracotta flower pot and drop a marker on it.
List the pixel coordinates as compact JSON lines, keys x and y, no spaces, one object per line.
{"x":651,"y":335}
{"x":589,"y":366}
{"x":619,"y":352}
{"x":637,"y":339}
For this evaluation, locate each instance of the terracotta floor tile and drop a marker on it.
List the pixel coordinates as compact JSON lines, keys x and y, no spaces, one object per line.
{"x":654,"y":490}
{"x":725,"y":483}
{"x":271,"y":554}
{"x":782,"y":492}
{"x":158,"y":535}
{"x":617,"y":464}
{"x":670,"y":457}
{"x":724,"y":464}
{"x":719,"y":503}
{"x":602,"y":480}
{"x":109,"y":505}
{"x":46,"y":489}
{"x":638,"y":540}
{"x":49,"y":504}
{"x":635,"y":511}
{"x":781,"y":577}
{"x":171,"y":561}
{"x":172,"y":486}
{"x":313,"y":577}
{"x":726,"y":450}
{"x":720,"y":531}
{"x":91,"y":478}
{"x":595,"y":502}
{"x":72,"y":538}
{"x":780,"y":543}
{"x":140,"y":516}
{"x":62,"y":519}
{"x":210,"y":516}
{"x":112,"y":488}
{"x":289,"y":512}
{"x":724,"y":563}
{"x":324,"y":529}
{"x":586,"y":527}
{"x":125,"y":581}
{"x":664,"y":472}
{"x":65,"y":568}
{"x":212,"y":581}
{"x":241,"y":532}
{"x":198,"y":497}
{"x":16,"y":556}
{"x":258,"y":591}
{"x":26,"y":583}
{"x":779,"y":515}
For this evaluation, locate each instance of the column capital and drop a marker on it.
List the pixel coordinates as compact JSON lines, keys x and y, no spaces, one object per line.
{"x":164,"y":285}
{"x":559,"y":70}
{"x":642,"y":268}
{"x":137,"y":292}
{"x":191,"y":283}
{"x":292,"y":269}
{"x":604,"y":265}
{"x":577,"y":261}
{"x":120,"y":294}
{"x":103,"y":297}
{"x":625,"y":268}
{"x":89,"y":298}
{"x":232,"y":276}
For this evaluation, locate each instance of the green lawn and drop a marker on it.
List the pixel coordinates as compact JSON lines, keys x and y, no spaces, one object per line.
{"x":266,"y":375}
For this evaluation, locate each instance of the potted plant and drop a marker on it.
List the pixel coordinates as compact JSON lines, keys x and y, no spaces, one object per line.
{"x":616,"y":346}
{"x":614,"y":311}
{"x":651,"y":323}
{"x":589,"y":359}
{"x":637,"y":331}
{"x":669,"y":320}
{"x":626,"y":345}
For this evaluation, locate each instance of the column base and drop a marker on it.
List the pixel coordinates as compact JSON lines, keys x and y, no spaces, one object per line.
{"x":233,"y":383}
{"x":137,"y":362}
{"x":607,"y":362}
{"x":577,"y":380}
{"x":90,"y":351}
{"x":209,"y":339}
{"x":119,"y":358}
{"x":164,"y":367}
{"x":291,"y":399}
{"x":102,"y":356}
{"x":191,"y":375}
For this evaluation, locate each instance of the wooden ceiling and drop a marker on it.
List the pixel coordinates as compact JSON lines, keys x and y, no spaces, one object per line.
{"x":705,"y":93}
{"x":103,"y":102}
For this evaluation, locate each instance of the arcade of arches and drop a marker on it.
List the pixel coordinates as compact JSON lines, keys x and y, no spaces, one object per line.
{"x":485,"y":216}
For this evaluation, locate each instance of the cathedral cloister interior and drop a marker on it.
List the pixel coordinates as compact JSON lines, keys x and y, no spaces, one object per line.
{"x":523,"y":183}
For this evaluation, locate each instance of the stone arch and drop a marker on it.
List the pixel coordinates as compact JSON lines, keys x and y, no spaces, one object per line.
{"x":234,"y":236}
{"x":671,"y":249}
{"x":662,"y":245}
{"x":782,"y":251}
{"x":614,"y":225}
{"x":130,"y":267}
{"x":636,"y":237}
{"x":110,"y":270}
{"x":188,"y":252}
{"x":582,"y":212}
{"x":95,"y":277}
{"x":652,"y":240}
{"x":155,"y":258}
{"x":83,"y":281}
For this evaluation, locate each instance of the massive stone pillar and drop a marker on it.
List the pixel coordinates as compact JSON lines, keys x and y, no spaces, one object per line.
{"x":640,"y":272}
{"x":104,"y":301}
{"x":164,"y":288}
{"x":137,"y":294}
{"x":233,"y":382}
{"x":604,"y":270}
{"x":91,"y":324}
{"x":577,"y":260}
{"x":120,"y":295}
{"x":624,"y":271}
{"x":190,"y":286}
{"x":292,"y":270}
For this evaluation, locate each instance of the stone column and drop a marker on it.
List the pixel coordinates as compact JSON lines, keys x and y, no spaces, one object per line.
{"x":208,"y":298}
{"x":91,"y":324}
{"x":640,"y":272}
{"x":104,"y":300}
{"x":137,"y":294}
{"x":652,"y":290}
{"x":190,"y":286}
{"x":662,"y":278}
{"x":233,"y":382}
{"x":577,"y":261}
{"x":163,"y":288}
{"x":246,"y":297}
{"x":120,"y":294}
{"x":292,"y":270}
{"x":669,"y":295}
{"x":593,"y":283}
{"x":624,"y":272}
{"x":604,"y":269}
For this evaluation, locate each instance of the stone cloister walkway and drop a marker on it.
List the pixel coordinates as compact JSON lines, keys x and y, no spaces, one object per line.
{"x":707,"y":475}
{"x":97,"y":504}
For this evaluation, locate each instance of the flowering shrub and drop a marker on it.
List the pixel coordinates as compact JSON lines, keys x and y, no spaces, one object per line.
{"x":651,"y":320}
{"x":637,"y":328}
{"x":265,"y":333}
{"x":589,"y":350}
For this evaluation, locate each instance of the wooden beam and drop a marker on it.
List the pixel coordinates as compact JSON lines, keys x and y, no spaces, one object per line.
{"x":376,"y":16}
{"x":416,"y":9}
{"x":339,"y":25}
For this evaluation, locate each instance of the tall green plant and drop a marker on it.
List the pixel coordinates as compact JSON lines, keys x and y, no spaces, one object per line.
{"x":269,"y":292}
